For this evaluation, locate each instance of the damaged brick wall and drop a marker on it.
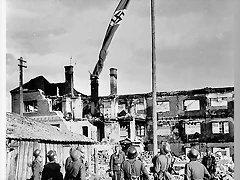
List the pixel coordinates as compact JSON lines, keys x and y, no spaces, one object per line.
{"x":174,"y":110}
{"x":43,"y":103}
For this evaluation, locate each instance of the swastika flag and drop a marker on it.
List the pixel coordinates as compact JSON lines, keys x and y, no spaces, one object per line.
{"x":112,"y":27}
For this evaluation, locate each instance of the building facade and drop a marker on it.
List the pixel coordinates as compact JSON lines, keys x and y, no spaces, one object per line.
{"x":201,"y":117}
{"x":58,"y":104}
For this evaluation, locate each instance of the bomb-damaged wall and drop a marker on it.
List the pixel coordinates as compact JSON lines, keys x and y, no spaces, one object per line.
{"x":220,"y":104}
{"x":178,"y":105}
{"x":33,"y":99}
{"x":174,"y":108}
{"x":127,"y":110}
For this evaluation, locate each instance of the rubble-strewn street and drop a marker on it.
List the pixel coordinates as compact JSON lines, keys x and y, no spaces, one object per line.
{"x":225,"y":166}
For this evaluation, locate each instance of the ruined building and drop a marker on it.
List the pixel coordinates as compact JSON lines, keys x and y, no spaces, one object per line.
{"x":203,"y":117}
{"x":56,"y":103}
{"x":200,"y":117}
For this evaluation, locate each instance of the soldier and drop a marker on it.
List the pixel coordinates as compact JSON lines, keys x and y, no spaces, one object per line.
{"x":194,"y":170}
{"x":116,"y":160}
{"x":133,"y":168}
{"x":161,"y":163}
{"x":209,"y":162}
{"x":82,"y":157}
{"x":37,"y":166}
{"x":69,"y":159}
{"x":51,"y":170}
{"x":76,"y":169}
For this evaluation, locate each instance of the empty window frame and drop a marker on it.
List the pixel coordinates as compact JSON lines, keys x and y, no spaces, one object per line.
{"x":219,"y":102}
{"x":30,"y":106}
{"x":193,"y":128}
{"x":85,"y":130}
{"x":107,"y":110}
{"x":140,"y":130}
{"x":140,"y":108}
{"x":163,"y":106}
{"x":220,"y":127}
{"x":121,"y":107}
{"x":191,"y":105}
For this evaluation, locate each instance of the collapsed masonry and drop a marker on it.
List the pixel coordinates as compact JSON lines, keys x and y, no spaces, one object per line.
{"x":184,"y":117}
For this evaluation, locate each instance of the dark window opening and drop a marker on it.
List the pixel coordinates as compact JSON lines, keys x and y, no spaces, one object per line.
{"x":30,"y":106}
{"x":56,"y":105}
{"x":85,"y":130}
{"x":56,"y":125}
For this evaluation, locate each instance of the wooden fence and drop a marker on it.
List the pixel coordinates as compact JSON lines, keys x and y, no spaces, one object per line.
{"x":19,"y":158}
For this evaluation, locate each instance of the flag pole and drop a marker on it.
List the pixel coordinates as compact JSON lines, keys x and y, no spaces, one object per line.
{"x":154,"y":96}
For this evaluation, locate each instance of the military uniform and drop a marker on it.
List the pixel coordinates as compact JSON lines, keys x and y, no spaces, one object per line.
{"x":37,"y":168}
{"x":161,"y":164}
{"x":210,"y":163}
{"x":195,"y":170}
{"x":75,"y":171}
{"x":51,"y":171}
{"x":134,"y":169}
{"x":115,"y":164}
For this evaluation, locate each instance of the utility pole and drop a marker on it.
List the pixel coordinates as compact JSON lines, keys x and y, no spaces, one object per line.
{"x":154,"y":93}
{"x":21,"y":66}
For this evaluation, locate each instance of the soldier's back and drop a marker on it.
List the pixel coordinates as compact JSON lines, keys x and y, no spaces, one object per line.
{"x":37,"y":170}
{"x":76,"y":170}
{"x":52,"y":170}
{"x":198,"y":170}
{"x":134,"y":168}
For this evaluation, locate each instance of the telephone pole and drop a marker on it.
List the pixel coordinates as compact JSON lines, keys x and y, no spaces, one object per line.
{"x":21,"y":66}
{"x":154,"y":96}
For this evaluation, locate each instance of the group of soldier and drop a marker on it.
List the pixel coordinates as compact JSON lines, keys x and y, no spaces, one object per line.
{"x":129,"y":166}
{"x":132,"y":167}
{"x":74,"y":166}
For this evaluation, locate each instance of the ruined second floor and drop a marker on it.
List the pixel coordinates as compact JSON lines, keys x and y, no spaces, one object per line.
{"x":198,"y":103}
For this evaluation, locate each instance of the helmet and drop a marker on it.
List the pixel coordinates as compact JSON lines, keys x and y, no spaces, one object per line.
{"x":193,"y":154}
{"x":51,"y":155}
{"x":132,"y":152}
{"x":75,"y":155}
{"x":166,"y":148}
{"x":36,"y":153}
{"x":79,"y":148}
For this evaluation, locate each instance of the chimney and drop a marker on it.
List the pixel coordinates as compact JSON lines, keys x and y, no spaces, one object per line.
{"x":69,"y":80}
{"x":94,"y":94}
{"x":113,"y":81}
{"x":94,"y":88}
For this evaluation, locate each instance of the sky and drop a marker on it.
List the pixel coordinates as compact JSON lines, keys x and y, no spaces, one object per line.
{"x":194,"y":43}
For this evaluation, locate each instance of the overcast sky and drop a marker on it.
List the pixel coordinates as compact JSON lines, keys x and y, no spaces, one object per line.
{"x":194,"y":43}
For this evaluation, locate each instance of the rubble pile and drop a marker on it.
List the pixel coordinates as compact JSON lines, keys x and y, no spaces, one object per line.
{"x":225,"y":166}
